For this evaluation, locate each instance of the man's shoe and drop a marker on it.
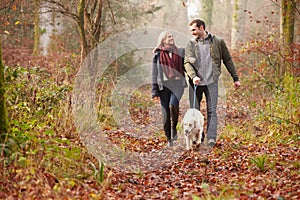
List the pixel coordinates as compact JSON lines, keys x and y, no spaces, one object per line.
{"x":170,"y":143}
{"x":175,"y":136}
{"x":211,"y":142}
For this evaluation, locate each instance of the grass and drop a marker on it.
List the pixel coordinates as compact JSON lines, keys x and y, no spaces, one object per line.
{"x":260,"y":162}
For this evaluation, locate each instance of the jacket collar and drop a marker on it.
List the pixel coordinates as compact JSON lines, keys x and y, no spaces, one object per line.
{"x":209,"y":37}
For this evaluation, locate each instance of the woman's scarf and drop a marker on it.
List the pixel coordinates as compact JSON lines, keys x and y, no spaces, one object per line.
{"x":172,"y":66}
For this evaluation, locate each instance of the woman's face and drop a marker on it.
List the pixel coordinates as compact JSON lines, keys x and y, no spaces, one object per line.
{"x":170,"y":39}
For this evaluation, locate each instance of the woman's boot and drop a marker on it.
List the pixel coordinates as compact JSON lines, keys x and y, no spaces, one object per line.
{"x":167,"y":128}
{"x":174,"y":117}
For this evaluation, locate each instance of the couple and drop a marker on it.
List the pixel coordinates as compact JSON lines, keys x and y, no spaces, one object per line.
{"x":201,"y":61}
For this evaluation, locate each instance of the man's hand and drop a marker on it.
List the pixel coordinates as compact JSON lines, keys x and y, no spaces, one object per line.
{"x":237,"y":84}
{"x":156,"y":98}
{"x":196,"y":80}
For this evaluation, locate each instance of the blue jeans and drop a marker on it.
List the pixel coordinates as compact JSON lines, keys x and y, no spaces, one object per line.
{"x":170,"y":95}
{"x":211,"y":95}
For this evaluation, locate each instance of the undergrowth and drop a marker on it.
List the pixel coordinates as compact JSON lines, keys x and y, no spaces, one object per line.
{"x":42,"y":138}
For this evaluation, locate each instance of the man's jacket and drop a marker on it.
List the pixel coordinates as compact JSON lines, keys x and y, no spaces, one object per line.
{"x":218,"y":52}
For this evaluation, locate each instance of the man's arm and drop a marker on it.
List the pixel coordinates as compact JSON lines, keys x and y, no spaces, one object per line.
{"x":228,"y":62}
{"x":189,"y":62}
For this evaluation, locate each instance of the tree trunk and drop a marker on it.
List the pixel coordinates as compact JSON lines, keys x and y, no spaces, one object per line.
{"x":288,"y":20}
{"x":90,"y":21}
{"x":3,"y":111}
{"x":36,"y":30}
{"x":228,"y":17}
{"x":80,"y":22}
{"x":207,"y":8}
{"x":238,"y":23}
{"x":288,"y":10}
{"x":97,"y":25}
{"x":297,"y":23}
{"x":297,"y":36}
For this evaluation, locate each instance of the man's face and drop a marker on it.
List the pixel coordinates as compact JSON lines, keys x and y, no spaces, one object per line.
{"x":197,"y":32}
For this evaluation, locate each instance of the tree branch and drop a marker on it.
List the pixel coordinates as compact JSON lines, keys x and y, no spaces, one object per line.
{"x":113,"y":16}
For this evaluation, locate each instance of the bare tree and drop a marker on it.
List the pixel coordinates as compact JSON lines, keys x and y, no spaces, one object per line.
{"x":228,"y":17}
{"x":238,"y":23}
{"x":207,"y":10}
{"x":287,"y":31}
{"x":297,"y":36}
{"x":97,"y":19}
{"x":288,"y":11}
{"x":36,"y":37}
{"x":297,"y":23}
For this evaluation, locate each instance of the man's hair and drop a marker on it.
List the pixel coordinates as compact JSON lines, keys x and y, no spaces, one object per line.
{"x":198,"y":23}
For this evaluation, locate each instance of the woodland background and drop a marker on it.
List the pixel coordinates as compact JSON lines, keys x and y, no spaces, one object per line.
{"x":43,"y":43}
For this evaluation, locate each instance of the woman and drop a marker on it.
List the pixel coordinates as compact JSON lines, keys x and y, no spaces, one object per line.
{"x":168,"y":82}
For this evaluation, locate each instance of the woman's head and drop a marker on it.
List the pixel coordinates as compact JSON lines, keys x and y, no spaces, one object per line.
{"x":165,"y":38}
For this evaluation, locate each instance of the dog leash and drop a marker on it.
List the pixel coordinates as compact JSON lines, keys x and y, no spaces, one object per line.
{"x":195,"y":94}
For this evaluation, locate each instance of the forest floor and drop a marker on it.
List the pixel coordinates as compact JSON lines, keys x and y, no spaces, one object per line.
{"x":248,"y":162}
{"x":227,"y":171}
{"x":242,"y":165}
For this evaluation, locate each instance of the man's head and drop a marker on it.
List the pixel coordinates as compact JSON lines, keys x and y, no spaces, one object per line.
{"x":197,"y":28}
{"x":198,"y":23}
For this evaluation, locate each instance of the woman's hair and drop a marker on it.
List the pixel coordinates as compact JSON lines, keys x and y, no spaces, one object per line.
{"x":161,"y":38}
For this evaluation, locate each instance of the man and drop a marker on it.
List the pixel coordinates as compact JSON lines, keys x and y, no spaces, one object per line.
{"x":203,"y":58}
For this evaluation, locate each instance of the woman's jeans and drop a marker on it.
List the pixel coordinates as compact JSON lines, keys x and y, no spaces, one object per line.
{"x":170,"y":95}
{"x":211,"y":95}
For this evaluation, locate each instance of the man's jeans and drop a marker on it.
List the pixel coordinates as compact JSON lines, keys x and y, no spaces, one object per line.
{"x":211,"y":95}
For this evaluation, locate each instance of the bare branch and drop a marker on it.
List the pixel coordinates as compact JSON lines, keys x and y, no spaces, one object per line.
{"x":55,"y":6}
{"x":112,"y":13}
